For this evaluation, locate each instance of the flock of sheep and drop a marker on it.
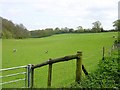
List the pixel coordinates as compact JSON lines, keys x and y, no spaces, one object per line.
{"x":113,"y":47}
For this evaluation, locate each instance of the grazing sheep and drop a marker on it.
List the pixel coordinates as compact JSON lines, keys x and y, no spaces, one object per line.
{"x":46,"y":51}
{"x":14,"y":50}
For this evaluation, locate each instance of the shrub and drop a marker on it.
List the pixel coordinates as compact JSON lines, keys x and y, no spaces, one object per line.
{"x":105,"y":76}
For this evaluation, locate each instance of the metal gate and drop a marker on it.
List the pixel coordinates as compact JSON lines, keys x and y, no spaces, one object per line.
{"x":20,"y":74}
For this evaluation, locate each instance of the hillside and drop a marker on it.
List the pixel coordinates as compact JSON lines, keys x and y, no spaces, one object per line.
{"x":12,"y":30}
{"x":32,"y":51}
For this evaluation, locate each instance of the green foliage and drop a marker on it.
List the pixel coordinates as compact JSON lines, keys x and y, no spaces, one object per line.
{"x":116,"y":24}
{"x":106,"y":75}
{"x":11,"y":30}
{"x":18,"y":31}
{"x":6,"y":34}
{"x":97,"y":27}
{"x":42,"y":33}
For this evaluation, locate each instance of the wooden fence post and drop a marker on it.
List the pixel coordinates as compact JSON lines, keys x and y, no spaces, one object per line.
{"x":29,"y":75}
{"x":79,"y":67}
{"x":32,"y":77}
{"x":49,"y":74}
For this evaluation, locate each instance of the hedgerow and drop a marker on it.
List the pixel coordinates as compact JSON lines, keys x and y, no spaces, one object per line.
{"x":105,"y":76}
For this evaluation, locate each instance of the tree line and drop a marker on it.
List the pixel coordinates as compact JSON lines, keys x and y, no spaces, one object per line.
{"x":11,"y":30}
{"x":19,"y":31}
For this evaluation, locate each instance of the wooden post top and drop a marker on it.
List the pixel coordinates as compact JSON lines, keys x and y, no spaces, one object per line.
{"x":79,"y":53}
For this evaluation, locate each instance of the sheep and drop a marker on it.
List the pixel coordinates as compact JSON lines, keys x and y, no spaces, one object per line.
{"x":14,"y":50}
{"x":46,"y":51}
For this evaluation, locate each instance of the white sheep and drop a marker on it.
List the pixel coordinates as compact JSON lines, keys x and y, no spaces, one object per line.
{"x":14,"y":50}
{"x":46,"y":51}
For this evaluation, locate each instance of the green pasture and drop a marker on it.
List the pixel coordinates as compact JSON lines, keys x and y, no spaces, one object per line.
{"x":32,"y":51}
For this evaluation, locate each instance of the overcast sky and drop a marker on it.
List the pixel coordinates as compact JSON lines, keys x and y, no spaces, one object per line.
{"x":41,"y":14}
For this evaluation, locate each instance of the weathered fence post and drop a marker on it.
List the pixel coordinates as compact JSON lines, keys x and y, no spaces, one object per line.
{"x":79,"y":67}
{"x":28,"y":75}
{"x":49,"y":74}
{"x":32,"y":77}
{"x":103,"y":53}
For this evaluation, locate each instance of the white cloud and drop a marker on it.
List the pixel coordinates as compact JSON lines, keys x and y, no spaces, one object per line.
{"x":119,"y":10}
{"x":42,"y":13}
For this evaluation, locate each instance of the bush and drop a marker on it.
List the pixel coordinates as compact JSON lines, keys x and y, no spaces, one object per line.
{"x":105,"y":76}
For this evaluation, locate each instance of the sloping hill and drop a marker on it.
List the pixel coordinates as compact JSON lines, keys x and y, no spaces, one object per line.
{"x":11,"y":30}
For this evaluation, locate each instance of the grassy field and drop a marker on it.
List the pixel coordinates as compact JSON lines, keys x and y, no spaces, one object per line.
{"x":32,"y":51}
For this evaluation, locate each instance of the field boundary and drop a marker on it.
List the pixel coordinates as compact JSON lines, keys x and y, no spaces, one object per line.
{"x":50,"y":62}
{"x":29,"y":74}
